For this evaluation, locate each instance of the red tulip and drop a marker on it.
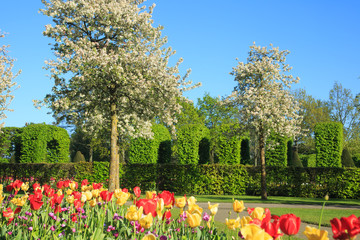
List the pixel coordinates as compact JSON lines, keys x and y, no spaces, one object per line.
{"x":106,"y":195}
{"x":168,"y":198}
{"x":84,"y":182}
{"x":97,"y":185}
{"x":35,"y":200}
{"x":137,"y":191}
{"x":17,"y":185}
{"x":289,"y":224}
{"x":78,"y":204}
{"x":272,"y":228}
{"x":346,"y":227}
{"x":60,"y":184}
{"x":36,"y":186}
{"x":167,"y":214}
{"x":56,"y":202}
{"x":125,"y":190}
{"x":77,"y":195}
{"x":149,"y":206}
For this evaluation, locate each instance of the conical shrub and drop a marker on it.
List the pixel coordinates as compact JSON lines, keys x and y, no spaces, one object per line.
{"x":346,"y":159}
{"x":79,"y":157}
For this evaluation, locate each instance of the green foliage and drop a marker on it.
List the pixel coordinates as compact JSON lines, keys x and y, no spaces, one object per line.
{"x":308,"y":160}
{"x":245,"y":151}
{"x":10,"y":144}
{"x":356,"y":159}
{"x":328,"y":144}
{"x":346,"y":159}
{"x":189,"y":114}
{"x":79,"y":157}
{"x":276,"y":150}
{"x":42,"y":143}
{"x":188,"y":142}
{"x":228,"y":144}
{"x":290,"y":151}
{"x":150,"y":150}
{"x":295,"y":160}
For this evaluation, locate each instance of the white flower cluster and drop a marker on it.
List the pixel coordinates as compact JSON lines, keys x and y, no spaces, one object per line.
{"x":109,"y":54}
{"x":7,"y":84}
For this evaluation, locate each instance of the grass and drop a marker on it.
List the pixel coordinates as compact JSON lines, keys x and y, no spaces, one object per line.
{"x":276,"y":200}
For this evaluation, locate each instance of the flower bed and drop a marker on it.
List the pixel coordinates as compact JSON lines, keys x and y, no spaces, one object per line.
{"x":68,"y":210}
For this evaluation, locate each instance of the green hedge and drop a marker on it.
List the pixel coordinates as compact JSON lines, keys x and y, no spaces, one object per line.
{"x":328,"y":144}
{"x":276,"y":150}
{"x":191,"y":139}
{"x":204,"y":179}
{"x":153,"y":150}
{"x":10,"y":144}
{"x":41,"y":143}
{"x":228,"y":144}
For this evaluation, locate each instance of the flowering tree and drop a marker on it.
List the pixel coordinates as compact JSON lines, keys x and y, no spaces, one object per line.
{"x":263,"y":98}
{"x":111,"y":69}
{"x":7,"y":83}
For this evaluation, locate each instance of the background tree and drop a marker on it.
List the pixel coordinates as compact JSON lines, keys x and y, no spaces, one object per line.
{"x":313,"y":111}
{"x":344,"y":108}
{"x":7,"y":84}
{"x":263,"y":98}
{"x":111,"y":69}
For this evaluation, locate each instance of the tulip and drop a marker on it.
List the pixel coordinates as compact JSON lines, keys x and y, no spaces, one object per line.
{"x":180,"y":202}
{"x":238,"y":206}
{"x":254,"y":232}
{"x":70,"y":199}
{"x":315,"y":234}
{"x":160,"y":208}
{"x":193,"y":220}
{"x":1,"y":198}
{"x":272,"y":228}
{"x":168,"y":198}
{"x":148,"y":205}
{"x":84,"y":182}
{"x":149,"y":237}
{"x":346,"y":227}
{"x":213,"y":208}
{"x":245,"y":220}
{"x":88,"y":195}
{"x":191,"y":200}
{"x":69,"y":191}
{"x":133,"y":214}
{"x":25,"y":186}
{"x":73,"y":186}
{"x":92,"y":202}
{"x":146,"y":221}
{"x":289,"y":224}
{"x":232,"y":224}
{"x":106,"y":196}
{"x":137,"y":191}
{"x":95,"y":193}
{"x":150,"y":194}
{"x":194,"y":208}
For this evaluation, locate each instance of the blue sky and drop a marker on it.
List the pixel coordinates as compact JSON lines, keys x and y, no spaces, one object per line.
{"x":322,"y":36}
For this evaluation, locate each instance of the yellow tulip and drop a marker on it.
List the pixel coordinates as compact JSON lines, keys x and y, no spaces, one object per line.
{"x":1,"y":198}
{"x":18,"y":201}
{"x":146,"y":221}
{"x":193,"y":220}
{"x":83,"y":198}
{"x":191,"y":200}
{"x":160,"y":208}
{"x":245,"y":220}
{"x":315,"y":234}
{"x":194,"y":208}
{"x":180,"y":202}
{"x":258,"y":213}
{"x":238,"y":206}
{"x":150,"y":194}
{"x":254,"y":232}
{"x":213,"y":208}
{"x":72,"y":185}
{"x":117,"y":193}
{"x":1,"y":187}
{"x":133,"y":214}
{"x":88,"y":195}
{"x":69,"y":191}
{"x":232,"y":223}
{"x":25,"y":186}
{"x":93,"y":202}
{"x":122,"y":197}
{"x":85,"y":188}
{"x":95,"y":193}
{"x":149,"y":237}
{"x":70,"y":199}
{"x":59,"y":192}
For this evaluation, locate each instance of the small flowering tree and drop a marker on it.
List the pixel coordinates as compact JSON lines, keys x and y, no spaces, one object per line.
{"x":263,"y":98}
{"x":7,"y":84}
{"x":111,"y":70}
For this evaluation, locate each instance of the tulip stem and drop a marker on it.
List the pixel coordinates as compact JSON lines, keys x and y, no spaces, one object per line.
{"x":321,"y":214}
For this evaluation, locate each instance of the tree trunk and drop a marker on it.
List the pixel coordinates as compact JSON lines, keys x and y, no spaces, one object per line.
{"x":91,"y":154}
{"x":114,"y":151}
{"x":263,"y":168}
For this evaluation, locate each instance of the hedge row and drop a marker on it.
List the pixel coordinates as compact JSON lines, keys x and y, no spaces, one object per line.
{"x":205,"y":179}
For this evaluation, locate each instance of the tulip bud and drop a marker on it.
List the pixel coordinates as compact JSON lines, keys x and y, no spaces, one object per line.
{"x":326,"y":197}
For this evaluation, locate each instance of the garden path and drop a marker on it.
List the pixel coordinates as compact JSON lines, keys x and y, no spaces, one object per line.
{"x":224,"y":208}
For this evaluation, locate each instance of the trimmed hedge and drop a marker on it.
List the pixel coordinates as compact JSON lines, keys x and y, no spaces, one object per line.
{"x":328,"y":144}
{"x":10,"y":144}
{"x":41,"y":143}
{"x":276,"y":150}
{"x":153,"y":150}
{"x":228,"y":150}
{"x":204,"y":179}
{"x":191,"y":139}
